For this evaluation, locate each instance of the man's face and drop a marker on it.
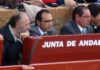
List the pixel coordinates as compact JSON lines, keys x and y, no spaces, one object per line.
{"x":96,"y":20}
{"x":85,"y":19}
{"x":23,"y":24}
{"x":46,"y":22}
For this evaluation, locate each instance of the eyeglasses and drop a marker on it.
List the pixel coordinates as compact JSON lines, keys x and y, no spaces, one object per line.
{"x":47,"y":21}
{"x":86,"y":16}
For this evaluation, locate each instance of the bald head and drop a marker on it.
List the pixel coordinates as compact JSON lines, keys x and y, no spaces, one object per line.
{"x":18,"y":17}
{"x":20,"y":22}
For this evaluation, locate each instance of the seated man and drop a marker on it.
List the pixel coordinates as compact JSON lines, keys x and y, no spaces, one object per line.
{"x":81,"y":18}
{"x":14,"y":33}
{"x":43,"y":24}
{"x":95,"y":12}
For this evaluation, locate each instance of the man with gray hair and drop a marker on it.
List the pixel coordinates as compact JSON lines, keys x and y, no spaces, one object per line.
{"x":14,"y":33}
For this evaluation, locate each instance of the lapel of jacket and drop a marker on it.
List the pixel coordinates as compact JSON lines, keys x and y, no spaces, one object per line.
{"x":37,"y":31}
{"x":8,"y":34}
{"x":76,"y":28}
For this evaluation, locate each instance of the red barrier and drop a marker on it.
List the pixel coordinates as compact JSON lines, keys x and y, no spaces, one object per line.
{"x":74,"y":65}
{"x":61,"y":48}
{"x":1,"y":50}
{"x":17,"y":67}
{"x":11,"y":67}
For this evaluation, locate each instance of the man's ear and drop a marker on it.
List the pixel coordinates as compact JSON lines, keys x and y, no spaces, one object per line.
{"x":38,"y":22}
{"x":77,"y":16}
{"x":17,"y":25}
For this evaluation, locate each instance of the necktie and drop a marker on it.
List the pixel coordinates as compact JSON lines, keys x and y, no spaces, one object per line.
{"x":84,"y":31}
{"x":44,"y":34}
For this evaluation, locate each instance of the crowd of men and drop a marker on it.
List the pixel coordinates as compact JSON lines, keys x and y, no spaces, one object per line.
{"x":85,"y":20}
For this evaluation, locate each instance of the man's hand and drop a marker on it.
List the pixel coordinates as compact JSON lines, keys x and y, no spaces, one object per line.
{"x":24,"y":35}
{"x":1,"y":37}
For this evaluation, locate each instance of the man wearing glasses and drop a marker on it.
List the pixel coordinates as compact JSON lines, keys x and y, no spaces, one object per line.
{"x":43,"y":24}
{"x":81,"y":18}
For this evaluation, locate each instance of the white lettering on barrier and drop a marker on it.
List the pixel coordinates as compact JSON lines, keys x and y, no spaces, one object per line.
{"x":71,"y":43}
{"x":89,"y":43}
{"x":53,"y":44}
{"x":59,"y":44}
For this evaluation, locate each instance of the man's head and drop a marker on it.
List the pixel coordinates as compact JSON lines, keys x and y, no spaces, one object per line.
{"x":95,"y":12}
{"x":20,"y":22}
{"x":44,"y":20}
{"x":81,"y":15}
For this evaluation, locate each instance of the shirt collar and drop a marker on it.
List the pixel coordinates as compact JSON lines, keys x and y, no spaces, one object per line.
{"x":80,"y":27}
{"x":41,"y":31}
{"x":13,"y":33}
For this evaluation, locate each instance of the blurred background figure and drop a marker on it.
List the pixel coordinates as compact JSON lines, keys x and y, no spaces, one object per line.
{"x":31,"y":10}
{"x":54,"y":3}
{"x":10,"y":3}
{"x":87,"y":1}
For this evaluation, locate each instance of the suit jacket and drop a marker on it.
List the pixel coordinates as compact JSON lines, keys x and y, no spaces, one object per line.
{"x":96,"y":29}
{"x":35,"y":32}
{"x":11,"y":48}
{"x":72,"y":28}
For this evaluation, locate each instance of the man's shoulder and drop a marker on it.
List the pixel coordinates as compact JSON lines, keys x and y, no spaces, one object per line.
{"x":4,"y":29}
{"x":33,"y":27}
{"x":34,"y":30}
{"x":69,"y":24}
{"x":53,"y":31}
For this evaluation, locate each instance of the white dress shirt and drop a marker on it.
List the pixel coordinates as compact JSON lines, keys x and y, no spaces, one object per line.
{"x":41,"y":31}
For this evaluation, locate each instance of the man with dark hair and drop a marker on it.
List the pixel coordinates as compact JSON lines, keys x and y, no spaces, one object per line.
{"x":43,"y":24}
{"x":14,"y":33}
{"x":95,"y":12}
{"x":81,"y":18}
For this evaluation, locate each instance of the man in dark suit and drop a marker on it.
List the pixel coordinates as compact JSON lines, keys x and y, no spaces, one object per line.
{"x":43,"y":24}
{"x":95,"y":12}
{"x":80,"y":24}
{"x":14,"y":33}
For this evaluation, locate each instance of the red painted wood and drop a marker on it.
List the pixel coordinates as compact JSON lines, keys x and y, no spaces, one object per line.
{"x":1,"y":51}
{"x":15,"y":67}
{"x":60,"y":54}
{"x":75,"y":65}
